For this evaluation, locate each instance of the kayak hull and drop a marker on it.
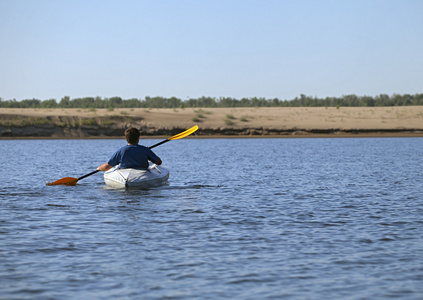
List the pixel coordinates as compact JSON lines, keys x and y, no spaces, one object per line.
{"x":134,"y":178}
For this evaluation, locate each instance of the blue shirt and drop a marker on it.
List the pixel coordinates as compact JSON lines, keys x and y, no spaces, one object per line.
{"x":133,"y":156}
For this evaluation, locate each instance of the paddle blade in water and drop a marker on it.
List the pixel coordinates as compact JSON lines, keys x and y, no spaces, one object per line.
{"x":64,"y":181}
{"x":184,"y":134}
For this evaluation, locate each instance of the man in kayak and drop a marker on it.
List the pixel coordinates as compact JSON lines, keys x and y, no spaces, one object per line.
{"x":132,"y":155}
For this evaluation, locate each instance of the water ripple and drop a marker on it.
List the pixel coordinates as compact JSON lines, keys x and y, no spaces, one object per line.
{"x":284,"y":219}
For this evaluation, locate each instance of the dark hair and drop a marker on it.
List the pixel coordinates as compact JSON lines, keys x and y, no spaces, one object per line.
{"x":132,"y":135}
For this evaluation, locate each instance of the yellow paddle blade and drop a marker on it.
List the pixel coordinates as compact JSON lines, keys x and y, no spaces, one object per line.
{"x":65,"y":181}
{"x":184,"y":134}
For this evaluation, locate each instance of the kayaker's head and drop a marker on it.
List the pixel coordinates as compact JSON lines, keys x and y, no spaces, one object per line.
{"x":132,"y":136}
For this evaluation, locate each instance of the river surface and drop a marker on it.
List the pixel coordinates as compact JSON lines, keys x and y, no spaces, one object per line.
{"x":338,"y":218}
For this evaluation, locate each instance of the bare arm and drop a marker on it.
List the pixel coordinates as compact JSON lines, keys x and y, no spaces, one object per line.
{"x":104,"y":167}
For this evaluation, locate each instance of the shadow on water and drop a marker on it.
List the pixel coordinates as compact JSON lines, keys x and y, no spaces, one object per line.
{"x":194,"y":186}
{"x":164,"y":188}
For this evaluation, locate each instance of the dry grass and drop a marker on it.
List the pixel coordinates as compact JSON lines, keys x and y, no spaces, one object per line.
{"x":273,"y":118}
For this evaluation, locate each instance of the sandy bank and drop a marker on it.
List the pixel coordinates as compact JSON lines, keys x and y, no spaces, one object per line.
{"x":230,"y":122}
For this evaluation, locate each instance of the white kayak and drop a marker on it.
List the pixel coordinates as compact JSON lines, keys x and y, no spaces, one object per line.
{"x":134,"y":178}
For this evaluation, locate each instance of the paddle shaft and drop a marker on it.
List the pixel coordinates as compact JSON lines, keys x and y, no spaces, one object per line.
{"x":89,"y":174}
{"x":158,"y":144}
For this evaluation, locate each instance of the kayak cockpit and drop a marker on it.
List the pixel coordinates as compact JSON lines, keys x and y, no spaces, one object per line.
{"x":134,"y":178}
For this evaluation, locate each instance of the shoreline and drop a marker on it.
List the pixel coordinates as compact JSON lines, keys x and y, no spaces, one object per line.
{"x":363,"y":134}
{"x":261,"y":122}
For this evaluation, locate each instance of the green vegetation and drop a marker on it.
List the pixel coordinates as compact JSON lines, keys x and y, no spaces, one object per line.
{"x":244,"y":118}
{"x":200,"y":115}
{"x":88,"y":122}
{"x":23,"y":121}
{"x":229,"y":122}
{"x":201,"y":111}
{"x":92,"y":103}
{"x":107,"y":121}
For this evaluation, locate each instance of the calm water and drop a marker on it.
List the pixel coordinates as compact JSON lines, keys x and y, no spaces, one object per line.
{"x":240,"y":219}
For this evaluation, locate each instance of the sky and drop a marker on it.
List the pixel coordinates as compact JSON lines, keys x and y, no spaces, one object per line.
{"x":215,"y":48}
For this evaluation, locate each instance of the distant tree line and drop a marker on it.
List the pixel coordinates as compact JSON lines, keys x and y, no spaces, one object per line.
{"x":173,"y":102}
